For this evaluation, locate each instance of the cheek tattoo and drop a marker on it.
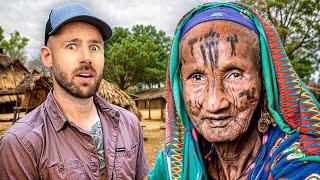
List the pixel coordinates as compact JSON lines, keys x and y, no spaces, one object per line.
{"x":249,"y":94}
{"x":233,"y":40}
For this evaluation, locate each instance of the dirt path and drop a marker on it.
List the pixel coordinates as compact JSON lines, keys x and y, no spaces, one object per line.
{"x":154,"y":135}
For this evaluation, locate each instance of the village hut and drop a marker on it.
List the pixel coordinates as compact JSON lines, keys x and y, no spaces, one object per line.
{"x":111,"y":93}
{"x":35,"y":87}
{"x":12,"y":72}
{"x":151,"y":103}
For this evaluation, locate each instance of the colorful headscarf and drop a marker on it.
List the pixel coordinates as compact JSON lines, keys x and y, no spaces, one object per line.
{"x":290,"y":102}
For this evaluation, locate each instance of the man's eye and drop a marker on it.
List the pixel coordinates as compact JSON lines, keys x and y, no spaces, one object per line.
{"x":197,"y":77}
{"x":95,"y":48}
{"x":71,"y":46}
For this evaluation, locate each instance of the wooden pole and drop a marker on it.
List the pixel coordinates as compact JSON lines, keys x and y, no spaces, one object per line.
{"x":16,"y":91}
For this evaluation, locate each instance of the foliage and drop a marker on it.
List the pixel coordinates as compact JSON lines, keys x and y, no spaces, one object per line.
{"x":14,"y":45}
{"x":1,"y":34}
{"x":137,"y":56}
{"x":297,"y":22}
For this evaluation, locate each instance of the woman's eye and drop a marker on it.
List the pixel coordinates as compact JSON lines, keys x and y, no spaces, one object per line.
{"x":95,"y":48}
{"x":197,"y":77}
{"x":71,"y":46}
{"x":235,"y":75}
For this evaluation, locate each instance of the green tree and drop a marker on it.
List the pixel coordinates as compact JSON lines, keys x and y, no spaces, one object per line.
{"x":297,"y":22}
{"x":137,"y":56}
{"x":1,"y":35}
{"x":14,"y":45}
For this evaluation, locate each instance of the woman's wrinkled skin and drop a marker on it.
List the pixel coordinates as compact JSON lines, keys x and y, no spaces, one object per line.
{"x":221,"y":81}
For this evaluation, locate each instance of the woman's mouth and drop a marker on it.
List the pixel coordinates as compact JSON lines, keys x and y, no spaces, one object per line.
{"x":218,"y":121}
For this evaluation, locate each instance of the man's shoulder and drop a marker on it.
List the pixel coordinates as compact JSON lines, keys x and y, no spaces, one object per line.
{"x":26,"y":133}
{"x":27,"y":125}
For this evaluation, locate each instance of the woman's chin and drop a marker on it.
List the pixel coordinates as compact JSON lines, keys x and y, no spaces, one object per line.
{"x":225,"y":134}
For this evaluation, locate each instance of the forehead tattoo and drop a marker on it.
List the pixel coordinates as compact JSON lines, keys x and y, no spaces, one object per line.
{"x":209,"y":47}
{"x":191,"y":42}
{"x":233,"y":40}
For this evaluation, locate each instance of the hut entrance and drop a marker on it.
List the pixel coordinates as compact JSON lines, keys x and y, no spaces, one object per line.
{"x":7,"y":107}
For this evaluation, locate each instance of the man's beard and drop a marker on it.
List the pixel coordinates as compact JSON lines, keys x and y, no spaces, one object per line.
{"x":68,"y":84}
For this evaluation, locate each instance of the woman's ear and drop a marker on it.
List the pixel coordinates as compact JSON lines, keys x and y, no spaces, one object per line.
{"x":46,"y":56}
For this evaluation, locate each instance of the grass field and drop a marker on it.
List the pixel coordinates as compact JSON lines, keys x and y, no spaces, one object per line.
{"x":151,"y":130}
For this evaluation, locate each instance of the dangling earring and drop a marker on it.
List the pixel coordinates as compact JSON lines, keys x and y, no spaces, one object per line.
{"x":264,"y":121}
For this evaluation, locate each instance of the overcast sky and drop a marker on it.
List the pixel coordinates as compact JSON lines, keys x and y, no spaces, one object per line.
{"x":29,"y":16}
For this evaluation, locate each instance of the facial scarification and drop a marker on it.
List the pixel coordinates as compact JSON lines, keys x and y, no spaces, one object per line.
{"x":190,"y":43}
{"x":209,"y":45}
{"x":220,"y":78}
{"x":233,"y":41}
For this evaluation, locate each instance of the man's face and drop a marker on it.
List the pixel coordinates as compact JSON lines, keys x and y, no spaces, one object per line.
{"x":221,"y":80}
{"x":77,"y":59}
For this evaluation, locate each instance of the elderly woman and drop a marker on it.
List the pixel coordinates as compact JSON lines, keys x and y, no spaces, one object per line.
{"x":236,"y":108}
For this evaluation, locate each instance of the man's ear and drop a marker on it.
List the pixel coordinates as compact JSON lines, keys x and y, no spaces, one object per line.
{"x":46,"y":56}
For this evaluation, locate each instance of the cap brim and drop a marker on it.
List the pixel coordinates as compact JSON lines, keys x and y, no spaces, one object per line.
{"x":103,"y":27}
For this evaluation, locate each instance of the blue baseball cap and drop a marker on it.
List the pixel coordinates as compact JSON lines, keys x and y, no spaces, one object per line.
{"x":74,"y":12}
{"x":220,"y":13}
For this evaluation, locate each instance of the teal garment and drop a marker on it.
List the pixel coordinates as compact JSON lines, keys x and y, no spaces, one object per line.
{"x":290,"y":103}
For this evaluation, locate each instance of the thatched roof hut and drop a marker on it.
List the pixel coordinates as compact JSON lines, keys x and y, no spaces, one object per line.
{"x":151,"y":103}
{"x":12,"y":72}
{"x":34,"y":80}
{"x":151,"y":94}
{"x":35,"y":87}
{"x":115,"y":95}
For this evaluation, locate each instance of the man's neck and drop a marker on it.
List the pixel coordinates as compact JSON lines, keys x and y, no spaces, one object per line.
{"x":81,"y":112}
{"x":233,"y":159}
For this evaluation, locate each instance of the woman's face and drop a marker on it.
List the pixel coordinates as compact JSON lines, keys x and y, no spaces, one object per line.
{"x":221,"y":78}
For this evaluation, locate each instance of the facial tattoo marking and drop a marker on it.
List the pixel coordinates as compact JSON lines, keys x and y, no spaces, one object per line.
{"x":210,"y":48}
{"x":233,"y":40}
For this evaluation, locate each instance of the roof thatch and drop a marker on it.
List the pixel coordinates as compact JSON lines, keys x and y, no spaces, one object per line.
{"x":6,"y":62}
{"x":12,"y":72}
{"x":151,"y":94}
{"x":8,"y":98}
{"x":115,"y":95}
{"x":33,"y":80}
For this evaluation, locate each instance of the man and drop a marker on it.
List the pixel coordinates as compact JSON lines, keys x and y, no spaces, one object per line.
{"x":74,"y":134}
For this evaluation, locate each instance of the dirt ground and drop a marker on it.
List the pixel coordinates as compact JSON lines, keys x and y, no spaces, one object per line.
{"x":155,"y":135}
{"x":4,"y":126}
{"x":151,"y":130}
